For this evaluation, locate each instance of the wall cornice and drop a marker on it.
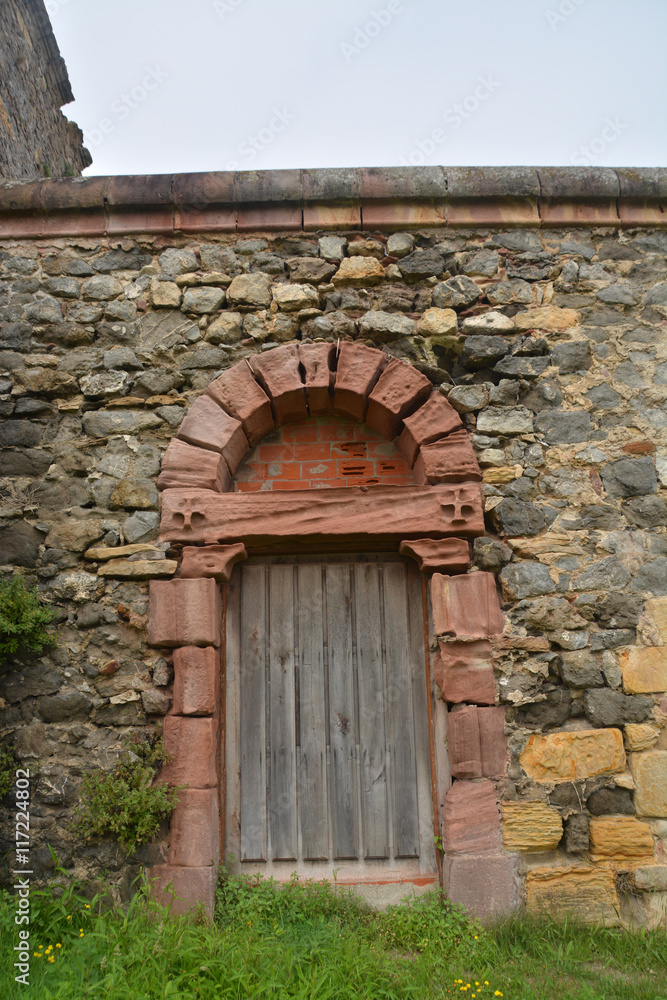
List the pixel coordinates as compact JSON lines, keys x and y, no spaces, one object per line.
{"x":373,"y":198}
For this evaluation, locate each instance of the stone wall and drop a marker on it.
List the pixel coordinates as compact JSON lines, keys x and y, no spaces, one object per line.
{"x":36,"y":139}
{"x":551,"y":344}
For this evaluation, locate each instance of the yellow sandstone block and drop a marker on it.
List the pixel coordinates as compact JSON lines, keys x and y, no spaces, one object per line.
{"x":572,"y":756}
{"x":650,"y":773}
{"x":656,"y":609}
{"x":531,"y":826}
{"x":620,"y":837}
{"x":580,"y":891}
{"x":644,"y":669}
{"x":640,"y":736}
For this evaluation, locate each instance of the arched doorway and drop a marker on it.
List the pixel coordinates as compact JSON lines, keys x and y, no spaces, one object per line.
{"x":326,"y":750}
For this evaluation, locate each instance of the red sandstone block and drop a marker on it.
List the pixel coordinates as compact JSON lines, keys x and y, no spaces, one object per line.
{"x":184,"y":613}
{"x":433,"y":420}
{"x":237,"y":392}
{"x":438,"y":555}
{"x":184,"y":889}
{"x":493,"y":212}
{"x":493,"y":741}
{"x":635,"y":212}
{"x":485,"y":884}
{"x":269,"y":217}
{"x":140,"y":220}
{"x":465,"y":756}
{"x":278,"y":371}
{"x":471,"y":818}
{"x":466,"y":605}
{"x":449,"y":460}
{"x":464,"y":672}
{"x":476,"y":742}
{"x":194,"y":833}
{"x":215,"y":561}
{"x":318,"y":361}
{"x":358,"y":370}
{"x":218,"y":219}
{"x":331,"y":216}
{"x":385,"y":214}
{"x":74,"y":223}
{"x":399,"y":390}
{"x":196,"y":680}
{"x":396,"y":480}
{"x":192,"y":744}
{"x":358,"y":481}
{"x":564,"y":212}
{"x":207,"y":425}
{"x":185,"y":466}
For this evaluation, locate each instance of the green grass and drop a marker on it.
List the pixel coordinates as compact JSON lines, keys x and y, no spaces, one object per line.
{"x":315,"y":941}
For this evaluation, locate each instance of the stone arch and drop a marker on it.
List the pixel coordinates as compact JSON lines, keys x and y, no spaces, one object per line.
{"x":432,"y":522}
{"x":294,"y":381}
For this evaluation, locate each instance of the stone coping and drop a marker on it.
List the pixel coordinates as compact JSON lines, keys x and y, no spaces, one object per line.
{"x":335,"y":199}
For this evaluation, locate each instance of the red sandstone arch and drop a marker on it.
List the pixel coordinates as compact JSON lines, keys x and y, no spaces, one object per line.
{"x":431,"y":521}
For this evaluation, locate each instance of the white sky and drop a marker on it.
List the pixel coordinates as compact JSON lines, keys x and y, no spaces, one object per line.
{"x":167,"y":86}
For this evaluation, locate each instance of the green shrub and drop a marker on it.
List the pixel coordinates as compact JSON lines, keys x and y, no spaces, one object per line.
{"x":23,"y":619}
{"x":7,"y":769}
{"x":126,"y":804}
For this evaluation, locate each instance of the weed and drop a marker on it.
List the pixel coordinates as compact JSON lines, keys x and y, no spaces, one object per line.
{"x":24,"y":619}
{"x":126,"y":803}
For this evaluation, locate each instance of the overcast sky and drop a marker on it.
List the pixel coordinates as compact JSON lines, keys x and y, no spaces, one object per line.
{"x":166,"y":86}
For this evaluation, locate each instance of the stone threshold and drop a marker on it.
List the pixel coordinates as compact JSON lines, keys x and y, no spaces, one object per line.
{"x":341,"y":199}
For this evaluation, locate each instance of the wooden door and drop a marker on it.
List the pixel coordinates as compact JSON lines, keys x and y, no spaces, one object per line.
{"x":327,"y":751}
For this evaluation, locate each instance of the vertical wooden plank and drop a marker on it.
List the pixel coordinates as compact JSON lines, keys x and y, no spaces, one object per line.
{"x":342,"y":736}
{"x":282,"y":710}
{"x":420,"y":695}
{"x":371,"y":694}
{"x":232,"y":783}
{"x":253,"y":713}
{"x":400,"y":712}
{"x":312,"y":721}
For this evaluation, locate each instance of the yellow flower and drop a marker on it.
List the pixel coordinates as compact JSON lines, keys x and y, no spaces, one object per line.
{"x":50,"y":948}
{"x":497,"y":993}
{"x":87,"y":906}
{"x":69,"y":916}
{"x":59,"y":945}
{"x":52,"y":958}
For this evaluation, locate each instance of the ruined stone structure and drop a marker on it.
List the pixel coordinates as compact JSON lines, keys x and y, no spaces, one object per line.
{"x":36,"y":139}
{"x":462,"y":371}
